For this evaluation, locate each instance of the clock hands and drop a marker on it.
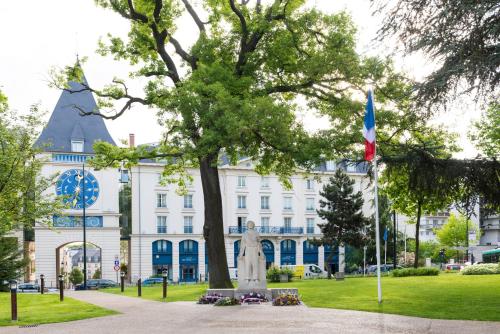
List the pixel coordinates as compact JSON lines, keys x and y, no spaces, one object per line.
{"x":79,"y":178}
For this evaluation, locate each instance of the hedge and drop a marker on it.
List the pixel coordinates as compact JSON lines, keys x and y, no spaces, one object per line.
{"x":415,"y":272}
{"x":481,"y":269}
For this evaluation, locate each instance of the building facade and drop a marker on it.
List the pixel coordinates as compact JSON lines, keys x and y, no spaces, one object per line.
{"x":67,"y":142}
{"x":167,"y":227}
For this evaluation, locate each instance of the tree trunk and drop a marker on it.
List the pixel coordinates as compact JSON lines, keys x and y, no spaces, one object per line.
{"x":417,"y":234}
{"x":213,"y":229}
{"x":328,"y":267}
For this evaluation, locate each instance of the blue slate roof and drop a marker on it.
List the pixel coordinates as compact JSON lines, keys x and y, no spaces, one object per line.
{"x":66,"y":124}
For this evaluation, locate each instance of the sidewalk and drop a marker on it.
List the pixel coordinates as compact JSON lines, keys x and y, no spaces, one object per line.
{"x":149,"y":317}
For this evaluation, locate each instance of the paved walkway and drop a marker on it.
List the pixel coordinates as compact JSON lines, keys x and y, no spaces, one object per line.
{"x":149,"y":317}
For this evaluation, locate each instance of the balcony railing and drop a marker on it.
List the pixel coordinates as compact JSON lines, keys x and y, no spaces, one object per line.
{"x":268,"y":230}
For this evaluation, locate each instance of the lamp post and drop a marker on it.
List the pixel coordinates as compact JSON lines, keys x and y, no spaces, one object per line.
{"x":122,"y":280}
{"x":13,"y":299}
{"x":84,"y":225}
{"x":164,"y":273}
{"x":61,"y":288}
{"x":42,"y":283}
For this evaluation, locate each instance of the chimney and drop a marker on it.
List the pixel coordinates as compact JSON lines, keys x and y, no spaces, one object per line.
{"x":131,"y":140}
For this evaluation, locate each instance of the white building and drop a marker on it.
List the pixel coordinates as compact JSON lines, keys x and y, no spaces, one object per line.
{"x":67,"y":143}
{"x":167,"y":227}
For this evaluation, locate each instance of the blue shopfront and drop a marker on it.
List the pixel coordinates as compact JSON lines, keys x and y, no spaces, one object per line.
{"x":162,"y":257}
{"x":188,"y":261}
{"x":268,"y":248}
{"x":288,"y":250}
{"x":310,"y":253}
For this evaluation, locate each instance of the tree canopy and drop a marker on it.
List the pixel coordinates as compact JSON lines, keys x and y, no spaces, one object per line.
{"x":236,"y":90}
{"x":463,"y":36}
{"x":454,"y":232}
{"x":22,"y":197}
{"x":486,"y":134}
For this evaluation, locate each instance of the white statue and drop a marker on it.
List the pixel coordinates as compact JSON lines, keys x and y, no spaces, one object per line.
{"x":251,"y":260}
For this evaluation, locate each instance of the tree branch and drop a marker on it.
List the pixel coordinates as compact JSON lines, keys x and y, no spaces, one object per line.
{"x":194,"y":15}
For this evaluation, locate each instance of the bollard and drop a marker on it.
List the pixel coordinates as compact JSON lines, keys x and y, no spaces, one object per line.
{"x":42,"y":283}
{"x":13,"y":300}
{"x":122,"y":281}
{"x":61,"y":288}
{"x":139,"y":287}
{"x":165,"y":276}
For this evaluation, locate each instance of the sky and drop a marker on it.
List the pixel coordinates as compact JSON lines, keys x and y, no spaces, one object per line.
{"x":37,"y":36}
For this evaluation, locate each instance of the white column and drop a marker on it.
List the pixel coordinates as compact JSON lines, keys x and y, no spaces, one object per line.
{"x":299,"y":252}
{"x":277,"y":252}
{"x":341,"y":259}
{"x":175,"y":260}
{"x":201,"y":258}
{"x":321,"y":257}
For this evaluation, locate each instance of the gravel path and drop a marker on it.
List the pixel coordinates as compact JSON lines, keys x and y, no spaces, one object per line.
{"x":149,"y":317}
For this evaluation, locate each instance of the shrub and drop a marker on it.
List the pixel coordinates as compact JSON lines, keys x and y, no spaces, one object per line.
{"x":481,"y":269}
{"x":286,"y":300}
{"x":273,"y":273}
{"x":209,"y":298}
{"x":76,"y":276}
{"x":415,"y":272}
{"x":226,"y":301}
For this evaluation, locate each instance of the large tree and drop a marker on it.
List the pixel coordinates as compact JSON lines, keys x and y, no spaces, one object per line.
{"x":22,"y":197}
{"x":486,"y":134}
{"x":342,"y":210}
{"x":462,"y":36}
{"x":236,"y":90}
{"x":455,"y":233}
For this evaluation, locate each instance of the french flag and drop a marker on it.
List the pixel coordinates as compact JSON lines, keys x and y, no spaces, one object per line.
{"x":369,"y":128}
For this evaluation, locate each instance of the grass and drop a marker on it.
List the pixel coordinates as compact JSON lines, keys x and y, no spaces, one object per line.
{"x":447,"y":296}
{"x":175,"y":293}
{"x":42,"y":309}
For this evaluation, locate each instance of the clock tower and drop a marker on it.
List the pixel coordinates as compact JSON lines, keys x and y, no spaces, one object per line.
{"x":66,"y":144}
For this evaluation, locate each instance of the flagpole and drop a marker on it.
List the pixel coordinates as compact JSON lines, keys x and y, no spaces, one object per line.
{"x":377,"y":224}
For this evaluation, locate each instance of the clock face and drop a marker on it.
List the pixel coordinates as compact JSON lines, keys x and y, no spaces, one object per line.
{"x":78,"y":188}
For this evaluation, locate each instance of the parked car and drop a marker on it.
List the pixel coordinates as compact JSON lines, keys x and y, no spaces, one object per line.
{"x":95,"y":284}
{"x":454,"y":266}
{"x":384,"y":268}
{"x":28,"y":287}
{"x":152,"y":281}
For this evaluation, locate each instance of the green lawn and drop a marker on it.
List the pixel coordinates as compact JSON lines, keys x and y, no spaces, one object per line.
{"x":447,"y":296}
{"x":175,"y":293}
{"x":41,"y":309}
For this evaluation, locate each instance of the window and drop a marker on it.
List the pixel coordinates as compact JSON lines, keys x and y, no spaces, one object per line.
{"x":287,"y":203}
{"x":287,"y":223}
{"x":162,"y":246}
{"x":264,"y":223}
{"x":188,"y":224}
{"x":242,"y":202}
{"x":264,"y":182}
{"x":264,"y":202}
{"x":309,"y":184}
{"x":310,"y":204}
{"x":242,"y":181}
{"x":330,"y":165}
{"x":242,"y":223}
{"x":188,"y":246}
{"x":161,"y":224}
{"x":188,"y":201}
{"x":161,"y":200}
{"x":77,"y":146}
{"x":310,"y":225}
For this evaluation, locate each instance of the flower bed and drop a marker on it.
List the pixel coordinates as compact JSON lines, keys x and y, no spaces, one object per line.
{"x":253,"y":298}
{"x":286,"y":300}
{"x":481,"y":269}
{"x":227,"y":301}
{"x":209,"y":298}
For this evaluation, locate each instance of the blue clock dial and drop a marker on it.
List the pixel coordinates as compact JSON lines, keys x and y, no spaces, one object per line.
{"x":78,"y":188}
